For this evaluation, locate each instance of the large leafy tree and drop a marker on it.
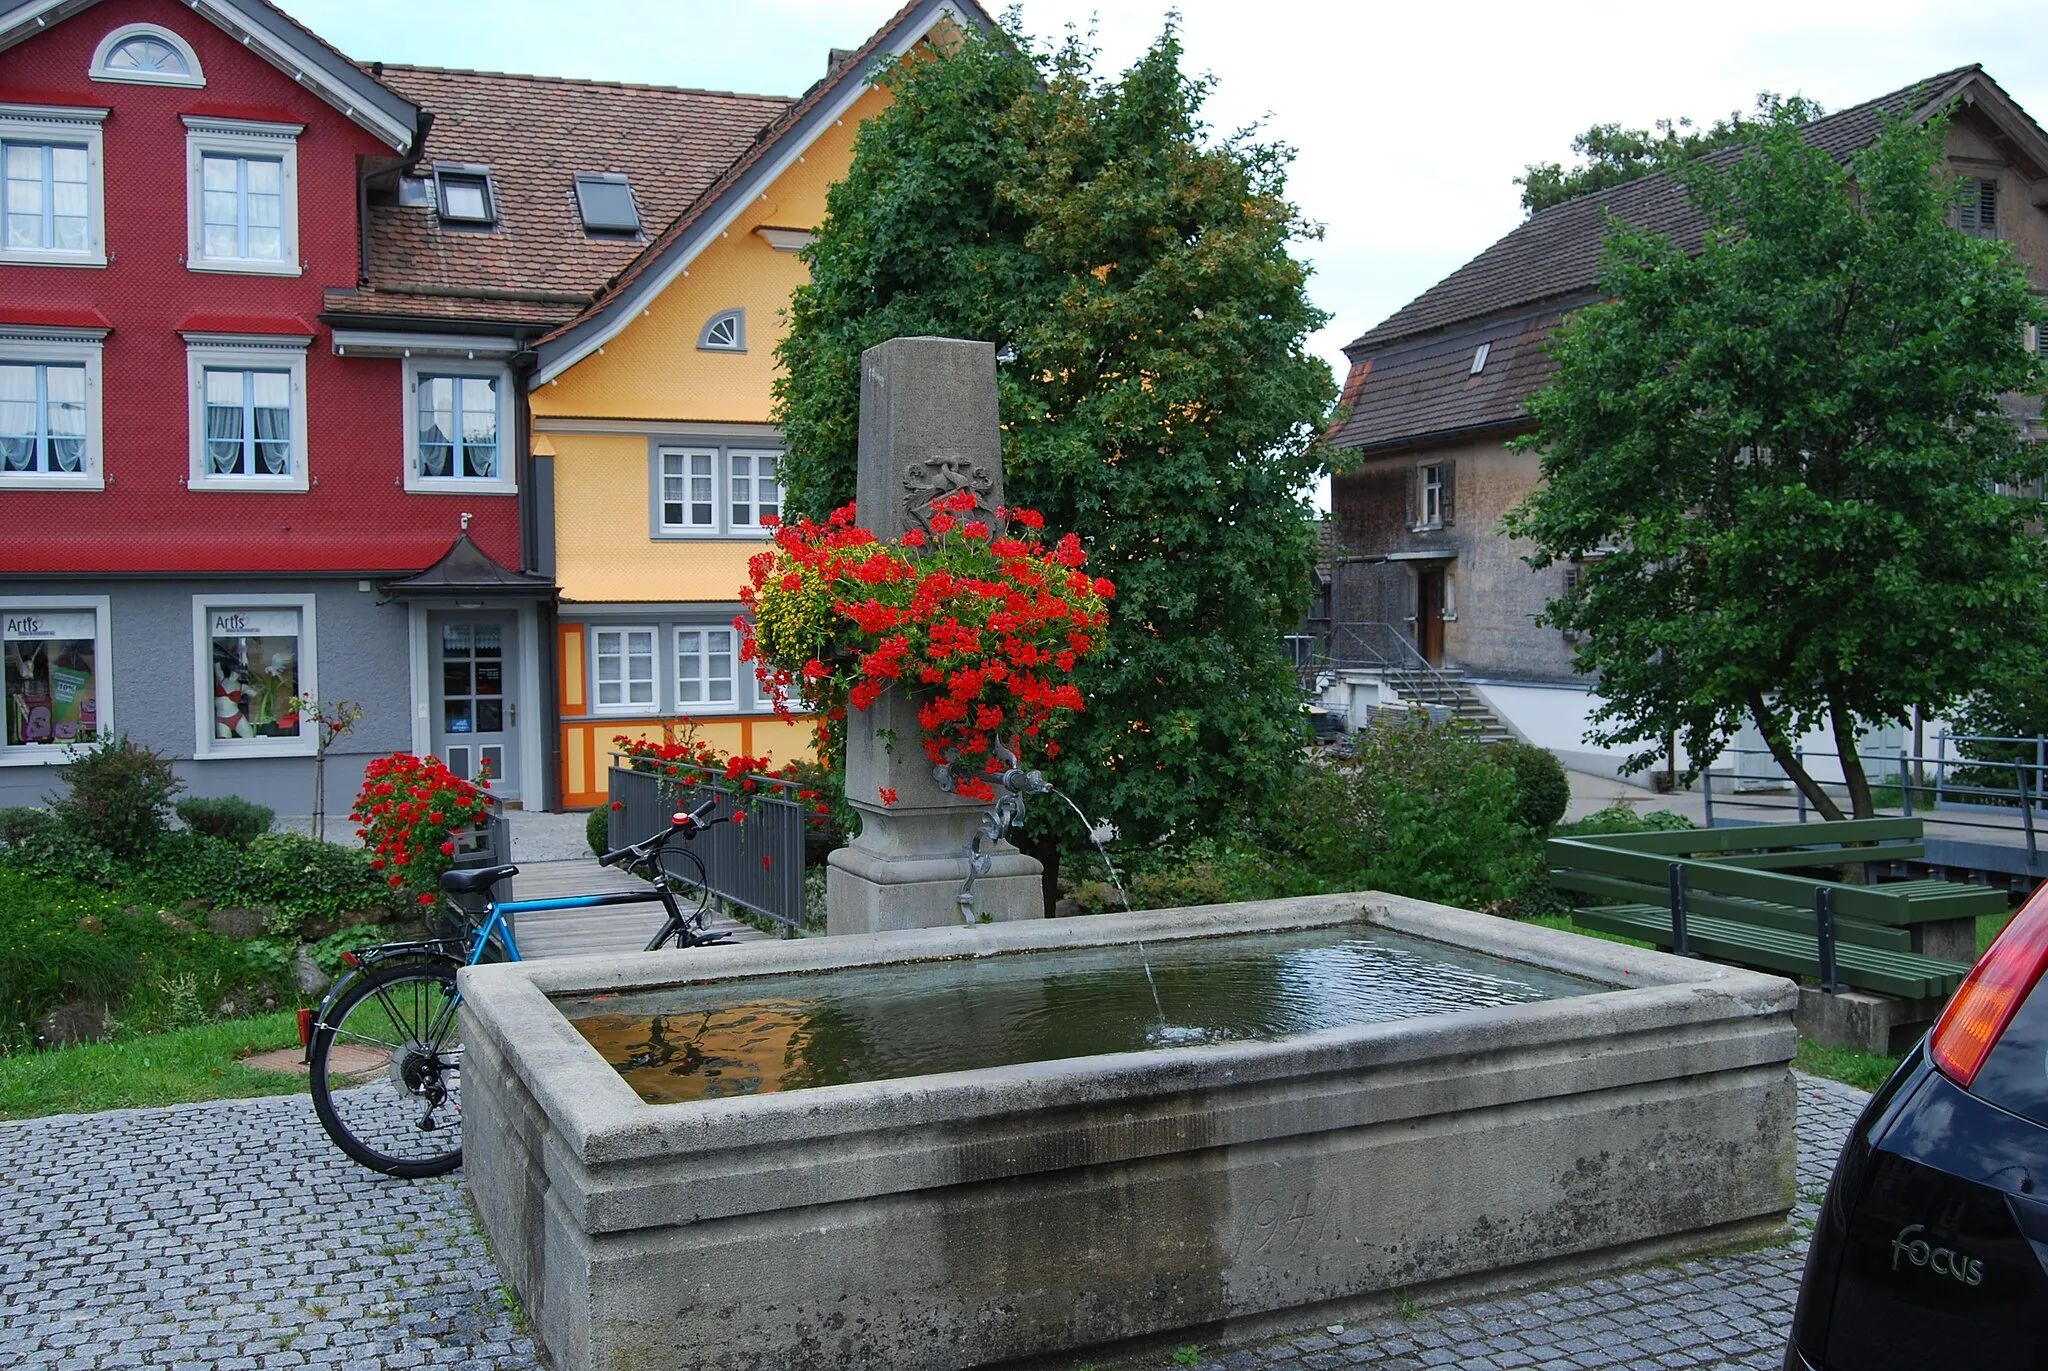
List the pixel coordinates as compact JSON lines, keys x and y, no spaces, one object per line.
{"x":1157,"y":394}
{"x":1610,"y":155}
{"x":1781,"y":458}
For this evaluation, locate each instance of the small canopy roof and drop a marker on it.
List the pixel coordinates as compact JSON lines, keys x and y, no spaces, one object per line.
{"x":466,"y":571}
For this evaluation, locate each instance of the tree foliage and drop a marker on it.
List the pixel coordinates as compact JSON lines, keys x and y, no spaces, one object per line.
{"x":1157,"y":395}
{"x":1780,"y":460}
{"x":1610,"y":155}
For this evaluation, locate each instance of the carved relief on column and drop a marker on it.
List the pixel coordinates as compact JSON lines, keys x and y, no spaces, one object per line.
{"x":927,"y":480}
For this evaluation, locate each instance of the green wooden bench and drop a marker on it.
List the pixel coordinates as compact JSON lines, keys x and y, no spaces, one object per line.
{"x":1732,"y":894}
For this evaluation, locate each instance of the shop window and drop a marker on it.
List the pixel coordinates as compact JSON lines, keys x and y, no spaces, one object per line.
{"x":255,"y":666}
{"x":53,"y":656}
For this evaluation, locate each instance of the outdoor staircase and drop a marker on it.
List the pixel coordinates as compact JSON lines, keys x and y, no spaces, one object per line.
{"x":1446,"y":688}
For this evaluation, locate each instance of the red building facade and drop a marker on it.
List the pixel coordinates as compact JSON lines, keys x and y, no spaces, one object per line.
{"x":203,"y":497}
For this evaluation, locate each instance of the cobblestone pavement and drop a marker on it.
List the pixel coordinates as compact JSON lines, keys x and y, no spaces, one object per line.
{"x":233,"y":1235}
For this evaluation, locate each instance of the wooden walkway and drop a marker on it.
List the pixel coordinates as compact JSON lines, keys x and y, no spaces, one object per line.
{"x":614,"y":929}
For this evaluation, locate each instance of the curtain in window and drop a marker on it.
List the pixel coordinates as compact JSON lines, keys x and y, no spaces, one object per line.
{"x":273,"y":415}
{"x":480,"y":426}
{"x":65,"y":387}
{"x":17,"y":418}
{"x":437,"y":425}
{"x":224,"y":423}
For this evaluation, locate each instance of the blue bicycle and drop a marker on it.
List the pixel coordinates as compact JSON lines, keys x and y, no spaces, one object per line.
{"x":386,"y":1046}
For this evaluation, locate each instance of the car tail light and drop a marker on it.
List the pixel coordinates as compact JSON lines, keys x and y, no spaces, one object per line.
{"x":1992,"y":993}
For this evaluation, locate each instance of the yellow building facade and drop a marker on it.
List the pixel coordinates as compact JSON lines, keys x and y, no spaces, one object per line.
{"x":653,"y":413}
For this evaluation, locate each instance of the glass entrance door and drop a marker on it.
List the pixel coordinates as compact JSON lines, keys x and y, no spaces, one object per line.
{"x":476,"y":704}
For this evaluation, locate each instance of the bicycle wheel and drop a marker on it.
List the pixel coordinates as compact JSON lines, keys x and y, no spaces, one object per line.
{"x":387,"y":1070}
{"x":682,"y":874}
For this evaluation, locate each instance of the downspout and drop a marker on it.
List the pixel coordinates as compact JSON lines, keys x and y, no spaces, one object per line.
{"x":368,"y":168}
{"x":530,"y":516}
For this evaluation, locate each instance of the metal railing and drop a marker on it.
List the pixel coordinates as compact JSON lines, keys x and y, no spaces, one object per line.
{"x":1953,"y":786}
{"x":1386,"y":648}
{"x":756,"y":863}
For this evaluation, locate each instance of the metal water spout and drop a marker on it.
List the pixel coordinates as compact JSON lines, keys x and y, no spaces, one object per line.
{"x":1013,"y":784}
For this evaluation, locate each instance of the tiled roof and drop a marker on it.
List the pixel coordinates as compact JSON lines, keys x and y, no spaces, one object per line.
{"x":1429,"y":390}
{"x":535,"y":133}
{"x":850,"y":66}
{"x":1411,"y":376}
{"x":1556,"y":252}
{"x":371,"y":303}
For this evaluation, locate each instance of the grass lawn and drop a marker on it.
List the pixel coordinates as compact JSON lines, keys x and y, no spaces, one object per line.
{"x":188,"y":1064}
{"x":1850,"y":1065}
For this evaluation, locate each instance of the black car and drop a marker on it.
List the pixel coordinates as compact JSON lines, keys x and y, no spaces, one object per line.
{"x":1931,"y":1250}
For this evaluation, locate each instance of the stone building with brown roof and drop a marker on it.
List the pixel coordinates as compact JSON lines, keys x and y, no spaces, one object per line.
{"x":1438,"y":390}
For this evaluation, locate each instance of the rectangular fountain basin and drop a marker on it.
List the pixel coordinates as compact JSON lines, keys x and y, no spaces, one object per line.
{"x":880,"y":1154}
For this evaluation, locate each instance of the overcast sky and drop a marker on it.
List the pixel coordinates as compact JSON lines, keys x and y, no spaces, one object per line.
{"x":1411,"y":121}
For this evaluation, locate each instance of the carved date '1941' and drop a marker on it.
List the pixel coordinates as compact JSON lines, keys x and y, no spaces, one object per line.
{"x":1294,"y":1224}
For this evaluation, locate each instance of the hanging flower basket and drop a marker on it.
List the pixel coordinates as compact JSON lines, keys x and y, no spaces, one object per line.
{"x":982,"y":624}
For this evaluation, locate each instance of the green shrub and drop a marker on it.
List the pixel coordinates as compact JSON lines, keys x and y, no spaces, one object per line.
{"x":62,"y":942}
{"x":118,"y":794}
{"x":1204,"y":872}
{"x":1542,"y":790}
{"x":1418,"y":809}
{"x":597,"y":830}
{"x":1619,"y":818}
{"x":57,"y":851}
{"x":294,"y":877}
{"x":230,"y":817}
{"x":21,"y":822}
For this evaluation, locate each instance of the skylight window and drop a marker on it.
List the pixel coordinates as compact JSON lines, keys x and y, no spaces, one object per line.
{"x":605,"y":201}
{"x":1479,"y":358}
{"x":464,"y":194}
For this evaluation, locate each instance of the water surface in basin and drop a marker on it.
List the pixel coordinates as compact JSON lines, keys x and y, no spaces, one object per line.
{"x":721,"y":1038}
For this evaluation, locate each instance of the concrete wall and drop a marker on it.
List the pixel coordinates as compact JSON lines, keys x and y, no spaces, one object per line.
{"x":362,"y":654}
{"x":1139,"y":1200}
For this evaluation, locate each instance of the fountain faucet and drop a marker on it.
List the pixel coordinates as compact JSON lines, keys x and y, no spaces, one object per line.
{"x":1012,"y":784}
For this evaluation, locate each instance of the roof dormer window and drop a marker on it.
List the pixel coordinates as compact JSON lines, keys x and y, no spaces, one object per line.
{"x":605,"y":201}
{"x":147,"y":55}
{"x":464,"y":194}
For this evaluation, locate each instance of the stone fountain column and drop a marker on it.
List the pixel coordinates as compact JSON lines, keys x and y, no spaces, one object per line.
{"x":927,"y":427}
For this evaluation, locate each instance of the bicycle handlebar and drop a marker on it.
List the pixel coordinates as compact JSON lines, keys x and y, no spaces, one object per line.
{"x":687,"y":823}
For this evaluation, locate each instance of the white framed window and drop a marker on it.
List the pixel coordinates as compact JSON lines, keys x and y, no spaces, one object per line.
{"x":715,"y":490}
{"x":147,"y":55}
{"x":622,"y":671}
{"x":689,"y":490}
{"x":52,"y":186}
{"x":458,"y":417}
{"x":1430,"y":493}
{"x":50,"y":409}
{"x":254,"y":657}
{"x":56,"y":680}
{"x":242,"y":196}
{"x":248,"y":412}
{"x":753,"y":487}
{"x":704,"y":669}
{"x":725,"y":331}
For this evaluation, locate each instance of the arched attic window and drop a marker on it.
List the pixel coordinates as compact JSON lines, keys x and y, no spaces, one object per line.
{"x":725,"y":331}
{"x":148,"y":55}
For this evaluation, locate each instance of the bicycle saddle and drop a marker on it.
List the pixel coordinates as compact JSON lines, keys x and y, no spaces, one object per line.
{"x":475,"y":878}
